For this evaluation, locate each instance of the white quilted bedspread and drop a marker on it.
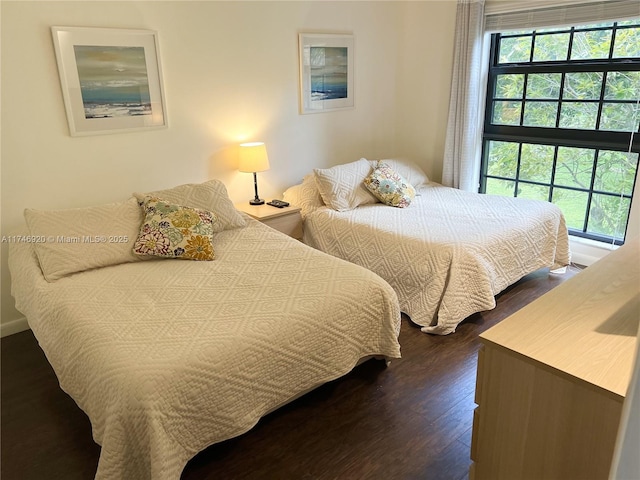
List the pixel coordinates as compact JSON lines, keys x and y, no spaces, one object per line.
{"x":167,"y":357}
{"x":450,"y":252}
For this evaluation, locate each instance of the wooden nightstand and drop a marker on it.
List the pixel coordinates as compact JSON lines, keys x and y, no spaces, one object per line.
{"x":286,"y":220}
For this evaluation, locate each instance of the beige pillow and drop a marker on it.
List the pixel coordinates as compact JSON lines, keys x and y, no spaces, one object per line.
{"x":342,"y":187}
{"x":211,"y":196}
{"x":78,"y":239}
{"x":174,"y":231}
{"x":304,"y":195}
{"x":411,"y":172}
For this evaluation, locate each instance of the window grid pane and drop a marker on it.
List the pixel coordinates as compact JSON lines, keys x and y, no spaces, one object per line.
{"x":580,"y":115}
{"x":615,"y":172}
{"x":515,"y":49}
{"x":591,"y":44}
{"x":501,"y":187}
{"x":540,"y":114}
{"x":503,"y":159}
{"x":583,"y":85}
{"x":506,"y":112}
{"x":544,"y":86}
{"x":536,"y":162}
{"x":574,"y":206}
{"x":608,"y":215}
{"x":627,"y":43}
{"x":533,"y":192}
{"x":509,"y":87}
{"x":622,"y":86}
{"x":621,"y":117}
{"x":551,"y":47}
{"x":574,"y":167}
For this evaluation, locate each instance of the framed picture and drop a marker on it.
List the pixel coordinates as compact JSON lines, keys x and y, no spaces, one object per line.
{"x":326,"y":72}
{"x":111,"y":79}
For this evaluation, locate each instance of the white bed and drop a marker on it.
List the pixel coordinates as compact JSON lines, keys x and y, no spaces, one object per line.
{"x":446,"y":255}
{"x":167,"y":357}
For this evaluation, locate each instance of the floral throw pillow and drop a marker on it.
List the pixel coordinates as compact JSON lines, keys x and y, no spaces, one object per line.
{"x":390,"y":187}
{"x":174,"y":231}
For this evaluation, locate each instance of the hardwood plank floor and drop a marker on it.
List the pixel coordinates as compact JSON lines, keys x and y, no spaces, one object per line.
{"x":411,"y":420}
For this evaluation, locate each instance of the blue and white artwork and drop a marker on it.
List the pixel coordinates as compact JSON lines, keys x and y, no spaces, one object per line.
{"x":329,"y":73}
{"x":113,"y":81}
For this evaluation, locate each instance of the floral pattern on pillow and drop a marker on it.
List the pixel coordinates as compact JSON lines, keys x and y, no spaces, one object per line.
{"x":174,"y":231}
{"x":390,"y":187}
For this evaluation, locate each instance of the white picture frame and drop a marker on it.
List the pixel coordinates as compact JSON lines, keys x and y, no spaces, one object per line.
{"x":326,"y":72}
{"x":111,"y":79}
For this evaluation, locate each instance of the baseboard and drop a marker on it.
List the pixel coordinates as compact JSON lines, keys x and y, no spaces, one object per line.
{"x":14,"y":326}
{"x":583,"y":260}
{"x":586,"y":252}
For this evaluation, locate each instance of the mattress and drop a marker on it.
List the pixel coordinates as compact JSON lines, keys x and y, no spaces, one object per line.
{"x":449,"y":253}
{"x":167,"y":357}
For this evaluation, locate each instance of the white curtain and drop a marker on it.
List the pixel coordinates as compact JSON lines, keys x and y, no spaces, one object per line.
{"x":463,"y":146}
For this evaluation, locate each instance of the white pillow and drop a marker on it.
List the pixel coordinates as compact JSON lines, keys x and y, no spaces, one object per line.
{"x":211,"y":196}
{"x":342,"y":187}
{"x":304,"y":195}
{"x":411,"y":172}
{"x":78,"y":239}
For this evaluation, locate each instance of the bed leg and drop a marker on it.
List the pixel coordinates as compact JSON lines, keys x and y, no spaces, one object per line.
{"x":387,"y":361}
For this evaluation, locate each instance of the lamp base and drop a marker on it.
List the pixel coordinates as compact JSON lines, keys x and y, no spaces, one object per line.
{"x":256,"y":201}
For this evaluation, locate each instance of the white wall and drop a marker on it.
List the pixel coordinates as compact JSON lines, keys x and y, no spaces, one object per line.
{"x":230,"y":74}
{"x":424,"y":75}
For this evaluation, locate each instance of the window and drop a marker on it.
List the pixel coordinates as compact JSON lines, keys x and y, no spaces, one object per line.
{"x":562,"y":104}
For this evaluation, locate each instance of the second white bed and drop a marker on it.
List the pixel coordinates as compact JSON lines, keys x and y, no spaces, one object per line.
{"x":448,"y":254}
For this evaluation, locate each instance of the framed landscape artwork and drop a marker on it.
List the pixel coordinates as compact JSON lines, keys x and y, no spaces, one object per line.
{"x":111,"y":79}
{"x":326,"y":72}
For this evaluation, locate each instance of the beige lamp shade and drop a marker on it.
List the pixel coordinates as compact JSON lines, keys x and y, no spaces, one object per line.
{"x":253,"y":157}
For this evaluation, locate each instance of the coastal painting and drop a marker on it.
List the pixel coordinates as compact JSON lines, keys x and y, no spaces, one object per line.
{"x":326,"y":72}
{"x":111,"y":79}
{"x":329,"y":73}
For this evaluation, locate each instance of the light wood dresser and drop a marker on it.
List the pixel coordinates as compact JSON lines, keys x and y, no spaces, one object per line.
{"x":552,"y":377}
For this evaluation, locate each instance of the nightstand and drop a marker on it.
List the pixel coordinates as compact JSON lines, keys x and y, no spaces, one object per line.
{"x":286,"y":220}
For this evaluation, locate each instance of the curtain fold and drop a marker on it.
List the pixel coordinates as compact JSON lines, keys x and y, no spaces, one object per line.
{"x":463,"y":145}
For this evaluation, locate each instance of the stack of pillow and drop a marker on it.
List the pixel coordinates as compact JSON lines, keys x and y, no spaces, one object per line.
{"x":345,"y":187}
{"x":180,"y":222}
{"x":174,"y":223}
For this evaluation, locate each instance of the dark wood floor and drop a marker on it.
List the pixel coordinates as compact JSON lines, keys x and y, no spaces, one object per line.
{"x":411,"y":420}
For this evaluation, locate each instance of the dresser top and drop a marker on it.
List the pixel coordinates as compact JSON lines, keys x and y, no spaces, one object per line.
{"x":586,"y":327}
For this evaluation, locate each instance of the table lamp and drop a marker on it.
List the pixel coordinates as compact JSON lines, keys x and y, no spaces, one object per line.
{"x":253,"y":159}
